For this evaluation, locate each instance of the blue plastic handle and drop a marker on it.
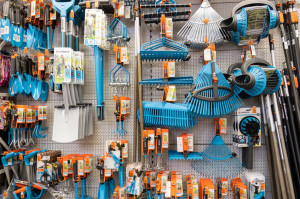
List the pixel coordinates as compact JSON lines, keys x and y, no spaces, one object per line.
{"x":5,"y":158}
{"x":28,"y":156}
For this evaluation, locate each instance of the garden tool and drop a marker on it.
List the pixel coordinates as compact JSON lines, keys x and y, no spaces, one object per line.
{"x":289,"y":69}
{"x":204,"y":26}
{"x":5,"y":159}
{"x":18,"y":78}
{"x":30,"y":35}
{"x":156,"y":50}
{"x":102,"y":182}
{"x":255,"y":80}
{"x":119,"y":77}
{"x":14,"y":27}
{"x":120,"y":116}
{"x":164,"y":114}
{"x":36,"y":85}
{"x":218,"y":159}
{"x":211,"y":96}
{"x":46,"y":177}
{"x":26,"y":80}
{"x":11,"y":90}
{"x":251,"y":21}
{"x":98,"y":52}
{"x":44,"y":86}
{"x":186,"y":153}
{"x":117,"y":35}
{"x":188,"y":80}
{"x":18,"y":35}
{"x":28,"y":159}
{"x":5,"y":22}
{"x":249,"y":126}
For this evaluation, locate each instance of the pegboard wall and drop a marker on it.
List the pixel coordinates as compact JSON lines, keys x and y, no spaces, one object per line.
{"x":203,"y":131}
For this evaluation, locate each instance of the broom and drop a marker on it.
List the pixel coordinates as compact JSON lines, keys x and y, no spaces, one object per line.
{"x":212,"y":96}
{"x":204,"y":26}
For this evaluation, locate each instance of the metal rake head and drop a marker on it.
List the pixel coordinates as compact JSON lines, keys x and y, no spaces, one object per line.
{"x":117,"y":32}
{"x":204,"y":26}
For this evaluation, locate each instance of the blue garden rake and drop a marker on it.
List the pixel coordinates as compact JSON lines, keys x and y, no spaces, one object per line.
{"x":168,"y":81}
{"x":119,"y":76}
{"x":212,"y":96}
{"x":218,"y":160}
{"x":150,"y":51}
{"x":164,"y":114}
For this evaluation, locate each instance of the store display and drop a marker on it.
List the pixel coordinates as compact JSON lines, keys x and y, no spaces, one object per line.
{"x":153,"y":139}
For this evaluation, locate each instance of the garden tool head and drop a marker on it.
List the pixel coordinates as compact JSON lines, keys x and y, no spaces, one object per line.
{"x":11,"y":90}
{"x":204,"y":26}
{"x":218,"y":159}
{"x":164,"y":49}
{"x":30,"y":36}
{"x":26,"y":76}
{"x":18,"y":85}
{"x":36,"y":85}
{"x":14,"y":27}
{"x":251,"y":20}
{"x":117,"y":32}
{"x":212,"y":96}
{"x":119,"y":77}
{"x":166,"y":114}
{"x":18,"y":35}
{"x":258,"y":79}
{"x":168,"y":81}
{"x":44,"y":87}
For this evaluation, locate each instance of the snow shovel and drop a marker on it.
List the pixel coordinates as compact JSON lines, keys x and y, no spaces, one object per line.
{"x":36,"y":85}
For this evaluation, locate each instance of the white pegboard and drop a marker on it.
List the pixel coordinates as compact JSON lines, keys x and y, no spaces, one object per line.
{"x":203,"y":131}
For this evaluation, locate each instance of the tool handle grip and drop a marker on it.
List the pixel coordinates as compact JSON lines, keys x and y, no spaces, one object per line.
{"x":6,"y":157}
{"x":18,"y":64}
{"x":47,"y":16}
{"x":28,"y":156}
{"x":29,"y":66}
{"x":13,"y":65}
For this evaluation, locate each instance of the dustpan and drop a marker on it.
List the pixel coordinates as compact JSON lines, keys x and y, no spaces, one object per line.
{"x":251,"y":20}
{"x":164,"y":114}
{"x":218,"y":160}
{"x":204,"y":26}
{"x":212,"y":96}
{"x":65,"y":132}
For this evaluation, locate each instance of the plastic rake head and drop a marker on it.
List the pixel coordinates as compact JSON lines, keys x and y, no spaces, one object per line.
{"x":219,"y":161}
{"x":164,"y":49}
{"x":204,"y":26}
{"x":210,"y":98}
{"x":164,"y":114}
